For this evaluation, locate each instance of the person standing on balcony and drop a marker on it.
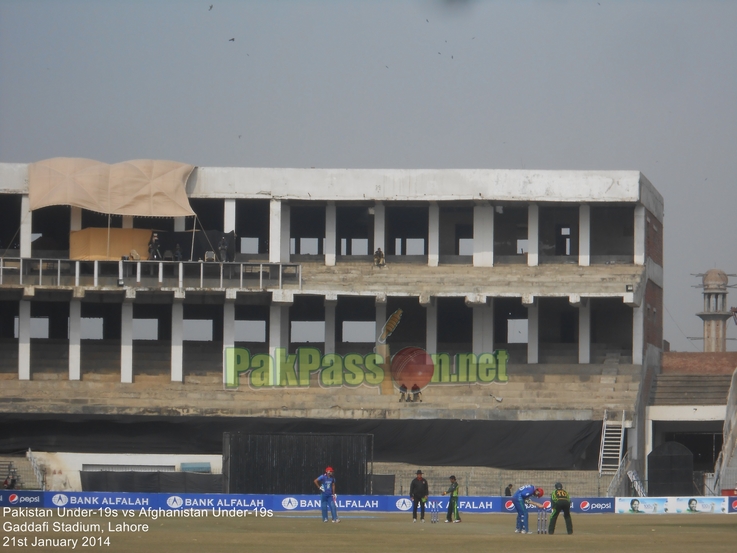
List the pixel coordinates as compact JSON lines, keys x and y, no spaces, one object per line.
{"x":153,"y":247}
{"x":223,"y":249}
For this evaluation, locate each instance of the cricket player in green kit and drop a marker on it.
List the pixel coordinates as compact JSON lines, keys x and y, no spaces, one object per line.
{"x":561,"y":503}
{"x":453,"y":514}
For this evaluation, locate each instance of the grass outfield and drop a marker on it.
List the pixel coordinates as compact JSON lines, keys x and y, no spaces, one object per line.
{"x":395,"y":532}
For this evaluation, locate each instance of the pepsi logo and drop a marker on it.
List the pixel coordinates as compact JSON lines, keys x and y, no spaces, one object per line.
{"x":13,"y":498}
{"x":734,"y":504}
{"x":585,"y":505}
{"x":509,"y":505}
{"x":546,"y":504}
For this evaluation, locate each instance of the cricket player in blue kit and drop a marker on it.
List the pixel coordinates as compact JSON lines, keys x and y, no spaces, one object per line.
{"x":519,"y":497}
{"x":326,"y":485}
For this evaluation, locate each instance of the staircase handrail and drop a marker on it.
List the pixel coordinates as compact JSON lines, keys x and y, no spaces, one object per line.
{"x":636,"y":483}
{"x":729,"y":433}
{"x":38,"y":471}
{"x":618,"y":476}
{"x":601,"y":446}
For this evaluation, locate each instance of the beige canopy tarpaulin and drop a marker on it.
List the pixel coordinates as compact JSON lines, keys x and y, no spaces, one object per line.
{"x":141,"y":187}
{"x":91,"y":244}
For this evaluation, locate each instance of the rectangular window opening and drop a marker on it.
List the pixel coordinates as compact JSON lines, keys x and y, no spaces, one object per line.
{"x":517,"y":331}
{"x":359,"y":246}
{"x":249,"y":245}
{"x":250,"y":331}
{"x":145,"y":329}
{"x":465,"y":246}
{"x":415,"y":246}
{"x":308,"y":331}
{"x":91,"y":328}
{"x":197,"y":330}
{"x":359,"y":331}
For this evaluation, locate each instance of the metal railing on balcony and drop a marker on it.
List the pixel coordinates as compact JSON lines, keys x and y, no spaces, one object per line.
{"x":148,"y":274}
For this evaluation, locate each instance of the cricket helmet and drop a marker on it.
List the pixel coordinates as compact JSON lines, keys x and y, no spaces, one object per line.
{"x":329,"y":469}
{"x":539,"y":492}
{"x":558,"y":486}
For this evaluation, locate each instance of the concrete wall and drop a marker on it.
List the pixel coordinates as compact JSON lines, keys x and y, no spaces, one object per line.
{"x":699,"y":362}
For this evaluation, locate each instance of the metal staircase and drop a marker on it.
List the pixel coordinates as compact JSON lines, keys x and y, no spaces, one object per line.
{"x":612,"y":443}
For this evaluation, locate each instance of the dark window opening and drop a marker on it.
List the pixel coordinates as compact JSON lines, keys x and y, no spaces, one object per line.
{"x":307,"y":229}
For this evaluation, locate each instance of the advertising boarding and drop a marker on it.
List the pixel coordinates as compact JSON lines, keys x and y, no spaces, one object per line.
{"x":172,"y":504}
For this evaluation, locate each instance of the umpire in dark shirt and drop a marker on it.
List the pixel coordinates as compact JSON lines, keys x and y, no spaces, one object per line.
{"x":418,"y":491}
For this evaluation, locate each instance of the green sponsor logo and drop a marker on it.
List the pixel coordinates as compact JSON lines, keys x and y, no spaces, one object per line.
{"x":333,"y":370}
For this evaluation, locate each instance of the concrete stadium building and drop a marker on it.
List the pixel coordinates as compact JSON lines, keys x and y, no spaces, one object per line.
{"x":561,"y":270}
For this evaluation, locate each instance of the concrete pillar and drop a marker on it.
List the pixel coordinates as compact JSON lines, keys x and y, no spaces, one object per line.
{"x":330,"y":305}
{"x":483,"y":235}
{"x":127,"y":221}
{"x":278,"y":338}
{"x":26,"y":226}
{"x":639,"y":238}
{"x":278,"y":232}
{"x":431,"y":326}
{"x":648,"y":438}
{"x":75,"y":220}
{"x":433,"y":235}
{"x":533,"y":235}
{"x":331,"y":226}
{"x":584,"y":331}
{"x":229,"y":215}
{"x":75,"y":327}
{"x":126,"y":342}
{"x":24,"y":340}
{"x":381,"y":314}
{"x":285,"y":232}
{"x":638,"y":333}
{"x":177,"y":341}
{"x":584,"y":235}
{"x":533,"y":336}
{"x":379,"y":227}
{"x":483,"y":327}
{"x":229,"y":324}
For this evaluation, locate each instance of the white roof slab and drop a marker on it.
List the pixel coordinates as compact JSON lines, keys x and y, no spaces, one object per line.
{"x":481,"y":185}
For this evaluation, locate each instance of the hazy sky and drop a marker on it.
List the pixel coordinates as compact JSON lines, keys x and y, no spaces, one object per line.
{"x":602,"y":85}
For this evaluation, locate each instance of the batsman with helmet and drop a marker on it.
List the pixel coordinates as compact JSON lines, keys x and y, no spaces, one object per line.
{"x":561,"y":503}
{"x":519,"y":498}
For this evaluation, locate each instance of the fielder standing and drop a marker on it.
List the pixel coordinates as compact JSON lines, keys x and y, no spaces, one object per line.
{"x":326,"y":485}
{"x":561,"y":503}
{"x":519,"y":498}
{"x":454,"y":514}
